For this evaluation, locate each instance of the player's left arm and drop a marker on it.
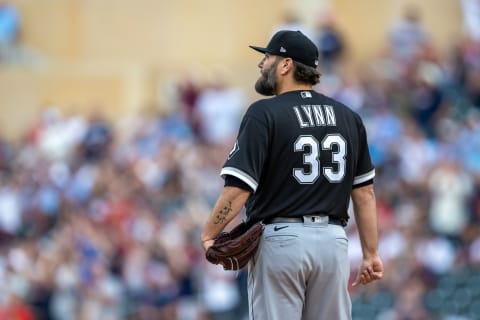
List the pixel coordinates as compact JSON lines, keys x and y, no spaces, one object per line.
{"x":365,"y":211}
{"x":228,"y":206}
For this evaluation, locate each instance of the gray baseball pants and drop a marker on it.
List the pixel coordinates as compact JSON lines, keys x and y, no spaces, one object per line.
{"x":300,"y":272}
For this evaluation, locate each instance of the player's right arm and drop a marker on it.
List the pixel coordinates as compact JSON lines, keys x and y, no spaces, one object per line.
{"x":227,"y":207}
{"x":364,"y":206}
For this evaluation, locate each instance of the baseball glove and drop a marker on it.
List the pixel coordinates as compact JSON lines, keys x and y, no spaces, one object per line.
{"x":234,"y":249}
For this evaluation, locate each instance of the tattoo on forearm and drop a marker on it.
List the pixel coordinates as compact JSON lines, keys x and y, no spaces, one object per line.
{"x":223,"y":213}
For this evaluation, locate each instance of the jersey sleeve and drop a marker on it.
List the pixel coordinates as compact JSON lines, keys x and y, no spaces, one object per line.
{"x":245,"y":160}
{"x":365,"y":170}
{"x":232,"y":181}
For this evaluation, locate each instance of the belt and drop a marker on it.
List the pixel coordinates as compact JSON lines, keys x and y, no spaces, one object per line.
{"x":331,"y":220}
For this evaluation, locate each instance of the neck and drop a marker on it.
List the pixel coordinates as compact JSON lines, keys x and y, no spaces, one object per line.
{"x":293,"y":87}
{"x":288,"y":83}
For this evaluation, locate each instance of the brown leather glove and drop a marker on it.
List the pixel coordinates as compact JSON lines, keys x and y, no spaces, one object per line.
{"x":234,"y":249}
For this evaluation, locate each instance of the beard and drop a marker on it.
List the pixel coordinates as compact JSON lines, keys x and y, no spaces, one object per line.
{"x":267,"y":83}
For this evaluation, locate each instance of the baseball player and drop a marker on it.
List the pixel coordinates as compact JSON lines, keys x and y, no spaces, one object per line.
{"x":298,"y":159}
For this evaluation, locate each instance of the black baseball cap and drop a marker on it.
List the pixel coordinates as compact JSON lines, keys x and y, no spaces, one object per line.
{"x":292,"y":44}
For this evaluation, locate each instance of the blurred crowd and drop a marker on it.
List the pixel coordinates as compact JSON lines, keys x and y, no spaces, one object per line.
{"x":101,"y":220}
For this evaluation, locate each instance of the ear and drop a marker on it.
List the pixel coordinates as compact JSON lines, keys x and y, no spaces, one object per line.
{"x":286,"y":65}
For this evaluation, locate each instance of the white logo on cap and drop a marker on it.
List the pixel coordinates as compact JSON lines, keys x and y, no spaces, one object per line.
{"x":282,"y":49}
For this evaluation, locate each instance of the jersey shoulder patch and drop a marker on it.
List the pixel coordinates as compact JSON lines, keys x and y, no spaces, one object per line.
{"x":234,"y":150}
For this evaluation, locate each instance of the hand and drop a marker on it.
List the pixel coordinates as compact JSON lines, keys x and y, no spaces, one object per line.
{"x":370,"y":270}
{"x":207,"y":244}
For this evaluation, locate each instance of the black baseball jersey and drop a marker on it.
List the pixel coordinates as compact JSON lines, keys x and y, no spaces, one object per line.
{"x":301,"y":153}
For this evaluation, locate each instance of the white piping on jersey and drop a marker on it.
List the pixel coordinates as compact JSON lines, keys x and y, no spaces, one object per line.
{"x":240,"y":175}
{"x":364,"y":177}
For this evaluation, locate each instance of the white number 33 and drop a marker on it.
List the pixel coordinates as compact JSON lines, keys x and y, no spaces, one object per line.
{"x":312,"y":158}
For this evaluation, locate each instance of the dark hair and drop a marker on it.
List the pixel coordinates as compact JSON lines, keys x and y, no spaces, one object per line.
{"x":306,"y":74}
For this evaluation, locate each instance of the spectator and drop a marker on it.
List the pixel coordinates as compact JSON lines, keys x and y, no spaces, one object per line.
{"x":407,"y":36}
{"x":451,"y":190}
{"x":471,"y":18}
{"x":292,"y":21}
{"x":9,"y":29}
{"x":219,"y":108}
{"x":10,"y":210}
{"x":98,"y":138}
{"x":329,"y":40}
